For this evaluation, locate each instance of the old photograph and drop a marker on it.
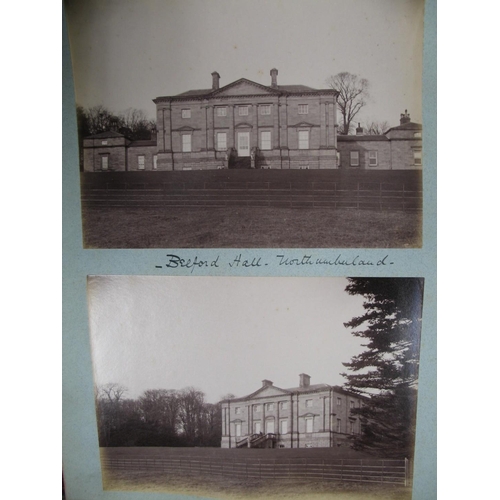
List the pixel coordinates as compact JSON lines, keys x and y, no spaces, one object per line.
{"x":263,"y":387}
{"x":263,"y":124}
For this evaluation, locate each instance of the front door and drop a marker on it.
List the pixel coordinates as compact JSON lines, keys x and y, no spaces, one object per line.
{"x":243,"y":144}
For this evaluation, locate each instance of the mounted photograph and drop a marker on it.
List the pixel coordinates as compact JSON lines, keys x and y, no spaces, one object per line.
{"x":263,"y":387}
{"x":263,"y":124}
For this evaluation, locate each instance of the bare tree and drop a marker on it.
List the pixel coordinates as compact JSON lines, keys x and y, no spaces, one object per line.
{"x":376,"y":128}
{"x":191,"y":406}
{"x":353,"y":94}
{"x":108,"y":401}
{"x":160,"y":408}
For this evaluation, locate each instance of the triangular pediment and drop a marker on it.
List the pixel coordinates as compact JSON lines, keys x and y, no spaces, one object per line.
{"x":244,"y":87}
{"x":266,"y":392}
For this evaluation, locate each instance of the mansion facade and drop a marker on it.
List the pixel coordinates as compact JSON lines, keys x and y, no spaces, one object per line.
{"x":307,"y":416}
{"x":248,"y":125}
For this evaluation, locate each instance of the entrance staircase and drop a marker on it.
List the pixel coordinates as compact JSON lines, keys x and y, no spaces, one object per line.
{"x":243,"y":162}
{"x":258,"y":441}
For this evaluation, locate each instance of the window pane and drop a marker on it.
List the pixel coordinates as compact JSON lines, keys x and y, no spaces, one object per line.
{"x":303,"y":109}
{"x":284,"y":426}
{"x":104,"y":163}
{"x":140,"y":162}
{"x":265,"y":140}
{"x":417,"y":157}
{"x":243,"y":110}
{"x":155,"y":162}
{"x":354,"y":158}
{"x":221,"y":111}
{"x":303,"y":139}
{"x":265,"y":109}
{"x":309,"y":424}
{"x":221,"y":141}
{"x":186,"y":113}
{"x":186,"y":143}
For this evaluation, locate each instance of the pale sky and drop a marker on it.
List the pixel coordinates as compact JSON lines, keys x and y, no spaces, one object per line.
{"x":127,"y":52}
{"x":219,"y":334}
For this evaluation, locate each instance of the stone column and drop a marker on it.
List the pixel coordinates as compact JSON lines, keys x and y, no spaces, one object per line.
{"x":284,"y":124}
{"x":204,"y":138}
{"x":210,"y":128}
{"x":230,"y":139}
{"x":276,"y":126}
{"x":332,"y":130}
{"x":322,"y":143}
{"x":167,"y":123}
{"x":254,"y":133}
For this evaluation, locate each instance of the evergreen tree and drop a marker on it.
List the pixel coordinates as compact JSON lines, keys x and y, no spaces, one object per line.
{"x":387,"y":371}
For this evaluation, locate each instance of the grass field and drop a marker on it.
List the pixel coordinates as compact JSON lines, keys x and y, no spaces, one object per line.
{"x":247,"y":227}
{"x":227,"y":487}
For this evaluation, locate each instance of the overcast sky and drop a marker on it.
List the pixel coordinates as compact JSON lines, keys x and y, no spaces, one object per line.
{"x":219,"y":334}
{"x":127,"y":52}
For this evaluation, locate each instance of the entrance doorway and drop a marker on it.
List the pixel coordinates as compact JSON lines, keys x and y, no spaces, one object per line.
{"x":243,"y":144}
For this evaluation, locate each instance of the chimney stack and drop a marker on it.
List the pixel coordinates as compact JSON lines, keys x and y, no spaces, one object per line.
{"x":405,"y":117}
{"x":305,"y":380}
{"x":266,"y":383}
{"x":215,"y":80}
{"x":359,"y":129}
{"x":274,"y":78}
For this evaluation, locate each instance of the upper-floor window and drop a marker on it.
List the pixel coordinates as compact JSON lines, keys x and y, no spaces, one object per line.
{"x":237,"y":410}
{"x":417,"y":156}
{"x":270,"y":406}
{"x":284,"y":405}
{"x":256,"y":409}
{"x":186,"y":113}
{"x":104,"y":143}
{"x":351,"y":403}
{"x":303,"y":139}
{"x":265,"y":140}
{"x":417,"y":135}
{"x":303,"y":109}
{"x":265,"y":109}
{"x":373,"y":158}
{"x":186,"y":143}
{"x":309,"y":403}
{"x":354,"y":158}
{"x":339,"y":401}
{"x":140,"y":162}
{"x":221,"y":111}
{"x":243,"y":110}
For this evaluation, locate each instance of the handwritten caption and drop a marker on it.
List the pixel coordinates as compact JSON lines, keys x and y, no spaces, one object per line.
{"x":281,"y":260}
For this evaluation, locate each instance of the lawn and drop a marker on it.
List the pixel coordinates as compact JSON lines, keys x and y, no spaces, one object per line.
{"x":227,"y":488}
{"x":249,"y":227}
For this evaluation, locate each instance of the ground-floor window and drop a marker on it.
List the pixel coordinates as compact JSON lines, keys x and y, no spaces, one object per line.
{"x":309,"y":425}
{"x":354,"y":158}
{"x":155,"y":162}
{"x":284,"y":427}
{"x":303,"y":139}
{"x":417,"y":157}
{"x":221,"y":141}
{"x":238,"y":430}
{"x":265,"y":140}
{"x":186,"y":143}
{"x":104,"y":162}
{"x":338,"y":424}
{"x":372,"y":158}
{"x":140,"y":162}
{"x":351,"y":427}
{"x":257,"y":427}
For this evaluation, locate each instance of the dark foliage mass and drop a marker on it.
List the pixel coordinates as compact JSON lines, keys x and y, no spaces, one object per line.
{"x":387,"y":371}
{"x":158,"y":417}
{"x":132,"y":123}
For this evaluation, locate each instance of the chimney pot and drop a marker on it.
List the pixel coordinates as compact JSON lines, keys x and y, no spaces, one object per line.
{"x":215,"y":80}
{"x":359,"y":130}
{"x":405,"y":117}
{"x":266,"y":383}
{"x":305,"y":380}
{"x":274,"y":78}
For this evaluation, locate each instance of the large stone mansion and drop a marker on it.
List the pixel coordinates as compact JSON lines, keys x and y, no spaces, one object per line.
{"x":248,"y":125}
{"x":307,"y":416}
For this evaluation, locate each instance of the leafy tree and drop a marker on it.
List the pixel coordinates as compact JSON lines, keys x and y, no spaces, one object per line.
{"x":387,"y":371}
{"x":353,"y":94}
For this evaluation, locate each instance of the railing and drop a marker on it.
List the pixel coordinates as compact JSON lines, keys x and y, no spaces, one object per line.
{"x":395,"y":472}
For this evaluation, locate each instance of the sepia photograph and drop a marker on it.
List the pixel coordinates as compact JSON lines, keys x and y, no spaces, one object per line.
{"x":263,"y":124}
{"x":242,"y":387}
